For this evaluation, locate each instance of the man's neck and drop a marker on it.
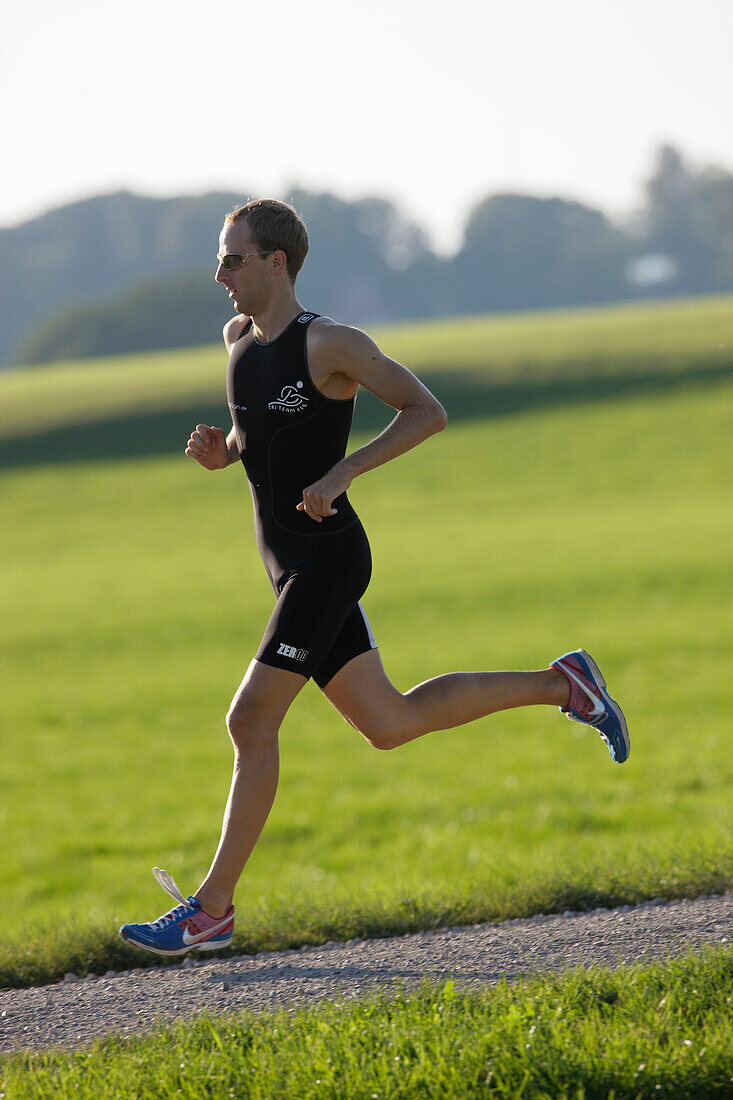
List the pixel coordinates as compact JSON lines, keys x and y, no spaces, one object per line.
{"x":275,"y":318}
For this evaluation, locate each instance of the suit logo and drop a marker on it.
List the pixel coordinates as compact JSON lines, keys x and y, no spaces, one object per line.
{"x":290,"y":400}
{"x":292,"y":651}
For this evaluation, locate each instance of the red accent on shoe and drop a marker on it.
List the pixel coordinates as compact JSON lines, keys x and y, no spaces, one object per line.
{"x":579,"y":701}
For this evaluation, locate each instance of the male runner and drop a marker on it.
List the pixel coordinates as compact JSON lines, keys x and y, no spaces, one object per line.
{"x":291,"y":384}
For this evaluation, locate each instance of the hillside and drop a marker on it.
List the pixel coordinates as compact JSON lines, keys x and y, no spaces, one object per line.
{"x":483,"y":366}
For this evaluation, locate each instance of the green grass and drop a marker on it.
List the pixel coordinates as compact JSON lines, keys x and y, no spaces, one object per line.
{"x":134,"y":599}
{"x":661,"y":1030}
{"x":615,"y":341}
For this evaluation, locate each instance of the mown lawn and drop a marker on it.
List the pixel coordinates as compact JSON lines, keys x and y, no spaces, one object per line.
{"x":133,"y":599}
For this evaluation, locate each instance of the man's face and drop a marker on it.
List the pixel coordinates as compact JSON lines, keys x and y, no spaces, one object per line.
{"x":248,"y":285}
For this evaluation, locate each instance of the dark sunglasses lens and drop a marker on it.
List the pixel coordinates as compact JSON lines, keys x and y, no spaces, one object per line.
{"x":231,"y":260}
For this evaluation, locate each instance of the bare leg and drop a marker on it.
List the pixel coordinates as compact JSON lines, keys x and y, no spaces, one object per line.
{"x":365,"y":696}
{"x":254,"y":720}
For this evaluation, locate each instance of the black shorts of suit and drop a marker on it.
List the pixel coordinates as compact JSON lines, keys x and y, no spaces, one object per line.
{"x":318,"y":624}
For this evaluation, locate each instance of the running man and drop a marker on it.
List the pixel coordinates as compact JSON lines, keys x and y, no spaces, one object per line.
{"x":291,"y":384}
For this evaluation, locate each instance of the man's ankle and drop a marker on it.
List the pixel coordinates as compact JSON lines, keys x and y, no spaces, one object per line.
{"x":560,"y":688}
{"x":212,"y":905}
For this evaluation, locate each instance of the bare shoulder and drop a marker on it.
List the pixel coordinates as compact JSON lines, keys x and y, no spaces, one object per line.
{"x":337,"y":357}
{"x":233,"y":329}
{"x":342,"y":358}
{"x":333,"y":344}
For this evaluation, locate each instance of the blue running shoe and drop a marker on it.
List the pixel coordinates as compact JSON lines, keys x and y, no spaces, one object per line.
{"x":591,"y":704}
{"x":184,"y":928}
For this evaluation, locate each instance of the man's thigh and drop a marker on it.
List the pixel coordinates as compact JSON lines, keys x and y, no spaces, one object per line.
{"x":363,"y":693}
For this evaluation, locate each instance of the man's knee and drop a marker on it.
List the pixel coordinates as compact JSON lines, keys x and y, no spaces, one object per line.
{"x":261,"y":703}
{"x":250,"y":720}
{"x":381,"y":731}
{"x":384,"y":724}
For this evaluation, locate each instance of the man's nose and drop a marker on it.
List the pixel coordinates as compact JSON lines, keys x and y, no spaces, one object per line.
{"x":219,"y":274}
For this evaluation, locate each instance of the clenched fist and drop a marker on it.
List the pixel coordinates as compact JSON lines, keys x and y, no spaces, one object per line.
{"x":318,"y":498}
{"x":209,"y":447}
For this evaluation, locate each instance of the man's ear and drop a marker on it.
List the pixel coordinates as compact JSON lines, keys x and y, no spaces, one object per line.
{"x":279,"y":262}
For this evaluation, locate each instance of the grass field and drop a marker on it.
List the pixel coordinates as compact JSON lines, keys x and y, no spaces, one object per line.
{"x":134,"y":598}
{"x":646,"y":1031}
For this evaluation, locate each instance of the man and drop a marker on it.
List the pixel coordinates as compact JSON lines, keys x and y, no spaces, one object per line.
{"x":291,"y":384}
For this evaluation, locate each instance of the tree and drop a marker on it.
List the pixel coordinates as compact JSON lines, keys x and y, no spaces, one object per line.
{"x":689,"y":219}
{"x":520,"y":251}
{"x":174,"y":313}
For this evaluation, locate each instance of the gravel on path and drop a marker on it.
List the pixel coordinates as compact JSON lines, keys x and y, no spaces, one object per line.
{"x":75,"y":1011}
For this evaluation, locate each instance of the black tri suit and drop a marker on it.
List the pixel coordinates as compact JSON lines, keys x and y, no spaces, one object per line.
{"x":289,"y":435}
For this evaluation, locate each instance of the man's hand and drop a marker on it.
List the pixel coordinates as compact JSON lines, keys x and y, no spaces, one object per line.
{"x":317,"y":498}
{"x":209,"y":447}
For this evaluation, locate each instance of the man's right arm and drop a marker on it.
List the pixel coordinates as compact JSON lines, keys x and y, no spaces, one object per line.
{"x":210,"y":446}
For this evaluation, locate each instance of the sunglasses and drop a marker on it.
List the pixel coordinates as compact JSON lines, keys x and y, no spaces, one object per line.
{"x":232,"y":260}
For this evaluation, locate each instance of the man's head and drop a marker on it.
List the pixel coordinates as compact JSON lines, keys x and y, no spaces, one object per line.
{"x":262,"y":247}
{"x":274,"y":226}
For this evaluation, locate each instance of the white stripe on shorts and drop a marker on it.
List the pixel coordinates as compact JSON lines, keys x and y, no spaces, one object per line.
{"x":370,"y":632}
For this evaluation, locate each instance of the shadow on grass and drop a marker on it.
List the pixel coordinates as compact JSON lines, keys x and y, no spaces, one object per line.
{"x":166,"y":431}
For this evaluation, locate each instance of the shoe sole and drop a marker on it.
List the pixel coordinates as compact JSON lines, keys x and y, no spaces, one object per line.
{"x":207,"y":945}
{"x":614,"y":707}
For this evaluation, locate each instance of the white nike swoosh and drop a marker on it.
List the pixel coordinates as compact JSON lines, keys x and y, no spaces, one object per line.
{"x":188,"y":939}
{"x":598,"y":707}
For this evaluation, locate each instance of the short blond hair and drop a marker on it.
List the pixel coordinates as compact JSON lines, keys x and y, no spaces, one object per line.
{"x":274,"y":226}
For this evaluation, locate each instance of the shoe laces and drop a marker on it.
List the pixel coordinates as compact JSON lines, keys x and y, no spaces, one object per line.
{"x":169,"y":885}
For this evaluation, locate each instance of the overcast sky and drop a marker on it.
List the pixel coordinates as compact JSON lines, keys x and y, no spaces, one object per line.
{"x":432,"y":104}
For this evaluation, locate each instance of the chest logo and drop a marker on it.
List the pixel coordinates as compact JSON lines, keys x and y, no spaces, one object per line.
{"x":290,"y":399}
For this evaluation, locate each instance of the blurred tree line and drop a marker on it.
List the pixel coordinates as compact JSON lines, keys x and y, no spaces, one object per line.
{"x":122,"y":272}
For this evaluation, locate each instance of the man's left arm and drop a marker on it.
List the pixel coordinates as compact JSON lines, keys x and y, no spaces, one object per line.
{"x":352,"y":359}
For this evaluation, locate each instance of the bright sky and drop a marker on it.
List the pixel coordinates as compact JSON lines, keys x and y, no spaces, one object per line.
{"x":434,"y":105}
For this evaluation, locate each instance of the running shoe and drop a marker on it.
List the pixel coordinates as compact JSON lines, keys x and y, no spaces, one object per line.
{"x":184,"y":928}
{"x":591,"y":704}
